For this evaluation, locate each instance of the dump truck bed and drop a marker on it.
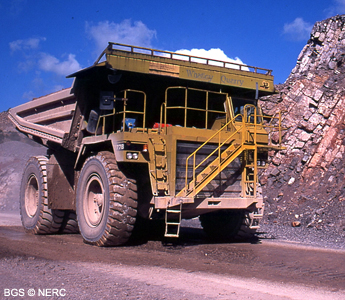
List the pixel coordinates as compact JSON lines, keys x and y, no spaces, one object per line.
{"x":48,"y":117}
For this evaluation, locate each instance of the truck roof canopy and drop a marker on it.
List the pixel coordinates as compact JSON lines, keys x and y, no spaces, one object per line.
{"x":141,"y":60}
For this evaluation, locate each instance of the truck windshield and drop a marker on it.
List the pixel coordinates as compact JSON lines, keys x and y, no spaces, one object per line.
{"x":238,"y":109}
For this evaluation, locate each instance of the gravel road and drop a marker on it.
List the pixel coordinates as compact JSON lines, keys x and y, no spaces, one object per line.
{"x":63,"y":267}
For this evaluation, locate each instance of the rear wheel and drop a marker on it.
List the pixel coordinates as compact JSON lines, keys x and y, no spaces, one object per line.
{"x":106,"y":202}
{"x":227,"y":224}
{"x":70,"y":224}
{"x":36,"y":217}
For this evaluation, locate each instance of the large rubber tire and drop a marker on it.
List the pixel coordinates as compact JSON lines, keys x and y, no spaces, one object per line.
{"x":245,"y":232}
{"x":106,"y":202}
{"x":36,"y":217}
{"x":70,"y":224}
{"x":227,"y":224}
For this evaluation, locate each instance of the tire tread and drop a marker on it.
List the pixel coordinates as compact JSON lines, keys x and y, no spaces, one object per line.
{"x":49,"y":221}
{"x":122,"y":211}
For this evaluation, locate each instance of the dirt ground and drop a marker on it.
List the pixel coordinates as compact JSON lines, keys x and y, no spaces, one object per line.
{"x":63,"y":267}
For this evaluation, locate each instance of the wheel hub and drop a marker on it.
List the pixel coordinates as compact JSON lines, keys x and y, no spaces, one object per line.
{"x":94,"y":201}
{"x":31,"y":196}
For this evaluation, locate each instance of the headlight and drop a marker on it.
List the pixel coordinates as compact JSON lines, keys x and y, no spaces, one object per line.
{"x":261,"y":163}
{"x":132,"y":155}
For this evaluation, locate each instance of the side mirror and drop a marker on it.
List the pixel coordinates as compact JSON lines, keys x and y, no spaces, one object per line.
{"x":92,"y":122}
{"x":106,"y":100}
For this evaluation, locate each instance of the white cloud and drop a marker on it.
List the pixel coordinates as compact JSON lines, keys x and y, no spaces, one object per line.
{"x":32,"y":59}
{"x":298,"y":30}
{"x":28,"y":95}
{"x":27,"y":44}
{"x":337,"y":8}
{"x":26,"y":65}
{"x":137,"y":34}
{"x":213,"y":53}
{"x":58,"y":87}
{"x":50,"y":63}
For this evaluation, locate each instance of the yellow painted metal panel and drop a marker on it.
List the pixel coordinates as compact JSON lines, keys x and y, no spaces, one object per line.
{"x":129,"y":64}
{"x":226,"y":78}
{"x":158,"y":65}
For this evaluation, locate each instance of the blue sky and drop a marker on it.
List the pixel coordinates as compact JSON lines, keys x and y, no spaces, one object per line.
{"x":42,"y":41}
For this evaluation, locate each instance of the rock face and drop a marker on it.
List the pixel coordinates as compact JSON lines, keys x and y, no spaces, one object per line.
{"x":305,"y":182}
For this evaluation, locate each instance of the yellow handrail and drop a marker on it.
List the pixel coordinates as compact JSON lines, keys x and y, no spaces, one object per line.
{"x":124,"y":111}
{"x":186,"y":108}
{"x":270,"y":127}
{"x":217,"y":149}
{"x":244,"y":129}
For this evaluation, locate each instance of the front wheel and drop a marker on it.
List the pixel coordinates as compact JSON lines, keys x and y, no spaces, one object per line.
{"x":106,"y":202}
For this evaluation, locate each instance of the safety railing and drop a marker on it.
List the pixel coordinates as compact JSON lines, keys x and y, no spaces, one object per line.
{"x":187,"y":108}
{"x":274,"y":128}
{"x":123,"y":113}
{"x":248,"y":130}
{"x":217,"y":149}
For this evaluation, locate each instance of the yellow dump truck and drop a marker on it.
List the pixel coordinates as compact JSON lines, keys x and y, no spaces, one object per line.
{"x":148,"y":134}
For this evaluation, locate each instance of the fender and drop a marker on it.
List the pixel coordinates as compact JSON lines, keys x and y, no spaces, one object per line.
{"x":91,"y":146}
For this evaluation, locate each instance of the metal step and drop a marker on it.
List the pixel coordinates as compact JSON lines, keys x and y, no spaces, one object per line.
{"x":205,"y":176}
{"x":173,"y":221}
{"x":253,"y":217}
